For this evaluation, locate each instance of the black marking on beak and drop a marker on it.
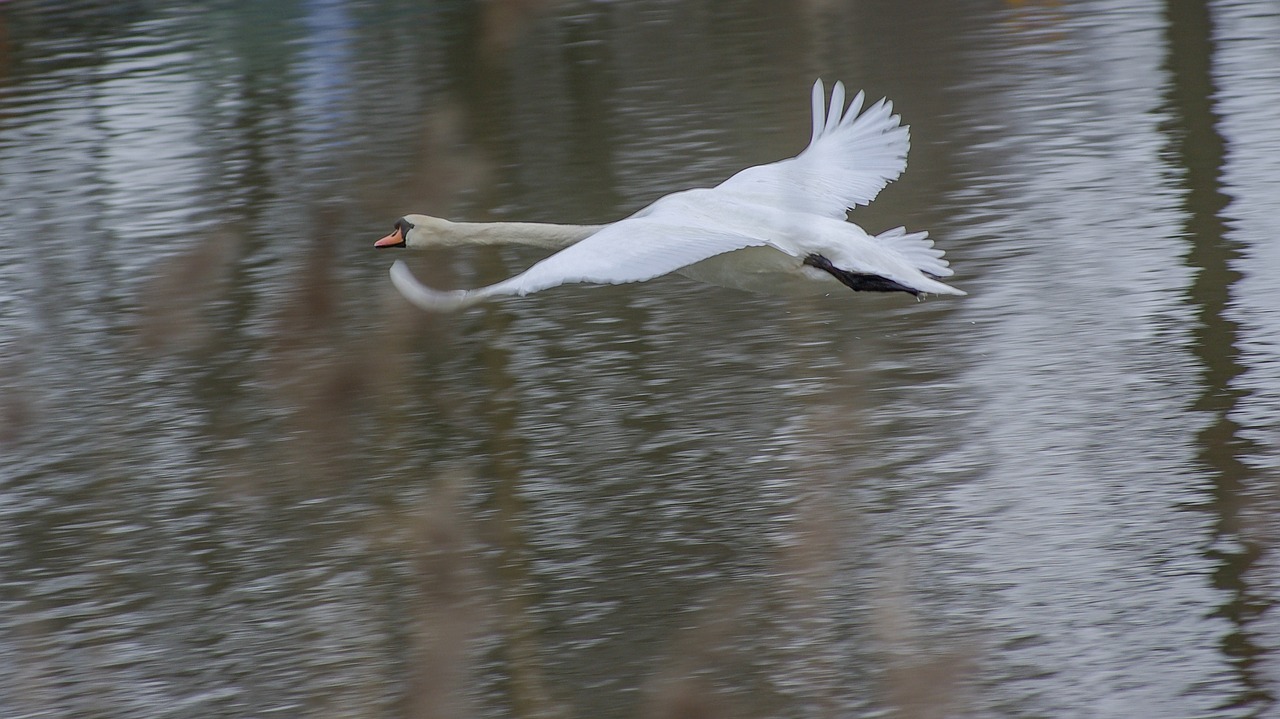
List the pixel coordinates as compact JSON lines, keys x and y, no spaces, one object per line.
{"x":401,"y":226}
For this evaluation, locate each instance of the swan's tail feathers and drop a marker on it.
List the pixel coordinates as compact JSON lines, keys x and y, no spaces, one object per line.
{"x":425,"y":297}
{"x":918,"y":249}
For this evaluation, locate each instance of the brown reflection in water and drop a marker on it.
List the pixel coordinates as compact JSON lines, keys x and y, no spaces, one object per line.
{"x":1200,"y":150}
{"x":449,"y":613}
{"x":527,"y":685}
{"x":172,"y":303}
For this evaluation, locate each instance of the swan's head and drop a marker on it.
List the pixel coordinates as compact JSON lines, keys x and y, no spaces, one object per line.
{"x":416,"y":231}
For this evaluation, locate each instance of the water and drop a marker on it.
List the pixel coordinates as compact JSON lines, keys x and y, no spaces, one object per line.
{"x":242,"y":478}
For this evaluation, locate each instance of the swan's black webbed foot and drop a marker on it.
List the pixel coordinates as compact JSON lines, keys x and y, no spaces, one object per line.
{"x":858,"y":281}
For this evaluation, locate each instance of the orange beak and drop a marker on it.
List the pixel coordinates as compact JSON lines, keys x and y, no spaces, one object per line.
{"x":395,"y":239}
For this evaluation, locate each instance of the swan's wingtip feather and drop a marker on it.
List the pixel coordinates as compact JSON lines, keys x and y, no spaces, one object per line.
{"x":836,"y":108}
{"x":422,"y":296}
{"x":818,"y":100}
{"x":855,"y":105}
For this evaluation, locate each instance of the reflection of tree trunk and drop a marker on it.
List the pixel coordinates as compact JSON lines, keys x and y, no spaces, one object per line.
{"x":224,"y":374}
{"x":1200,"y":150}
{"x":476,"y":58}
{"x":504,"y":451}
{"x":448,"y":615}
{"x":588,"y":72}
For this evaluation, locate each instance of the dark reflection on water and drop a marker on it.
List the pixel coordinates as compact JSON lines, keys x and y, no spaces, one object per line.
{"x":240,"y":476}
{"x":1200,"y":150}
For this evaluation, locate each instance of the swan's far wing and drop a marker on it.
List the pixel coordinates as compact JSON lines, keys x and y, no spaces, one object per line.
{"x":850,"y":158}
{"x":633,"y":250}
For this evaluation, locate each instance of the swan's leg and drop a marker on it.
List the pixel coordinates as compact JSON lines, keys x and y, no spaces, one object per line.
{"x":858,"y":281}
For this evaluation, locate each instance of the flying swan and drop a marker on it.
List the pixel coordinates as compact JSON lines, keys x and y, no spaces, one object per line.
{"x":779,"y":228}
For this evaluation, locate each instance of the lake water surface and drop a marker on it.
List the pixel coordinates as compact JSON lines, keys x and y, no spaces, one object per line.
{"x":240,"y":476}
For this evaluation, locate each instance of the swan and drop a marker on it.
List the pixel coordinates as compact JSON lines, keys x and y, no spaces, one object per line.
{"x":779,"y":228}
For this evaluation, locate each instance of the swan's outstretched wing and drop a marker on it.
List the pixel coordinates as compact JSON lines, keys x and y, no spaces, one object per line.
{"x":850,"y":158}
{"x":632,"y":250}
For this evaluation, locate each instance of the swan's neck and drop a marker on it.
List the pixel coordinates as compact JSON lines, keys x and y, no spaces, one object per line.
{"x":537,"y":234}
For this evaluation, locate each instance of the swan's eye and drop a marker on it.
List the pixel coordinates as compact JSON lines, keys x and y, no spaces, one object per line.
{"x":404,"y":225}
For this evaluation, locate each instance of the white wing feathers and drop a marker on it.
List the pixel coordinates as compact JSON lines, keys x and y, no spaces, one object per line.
{"x":849,"y":160}
{"x":854,"y":154}
{"x":428,"y":299}
{"x":632,"y":250}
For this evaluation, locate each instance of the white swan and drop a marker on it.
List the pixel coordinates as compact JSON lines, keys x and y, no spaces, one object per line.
{"x":776,"y":228}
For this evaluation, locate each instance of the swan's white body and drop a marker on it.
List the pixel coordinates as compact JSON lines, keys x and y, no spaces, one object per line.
{"x":776,"y":228}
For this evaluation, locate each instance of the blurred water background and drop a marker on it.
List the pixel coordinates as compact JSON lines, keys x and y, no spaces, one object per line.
{"x":240,"y":477}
